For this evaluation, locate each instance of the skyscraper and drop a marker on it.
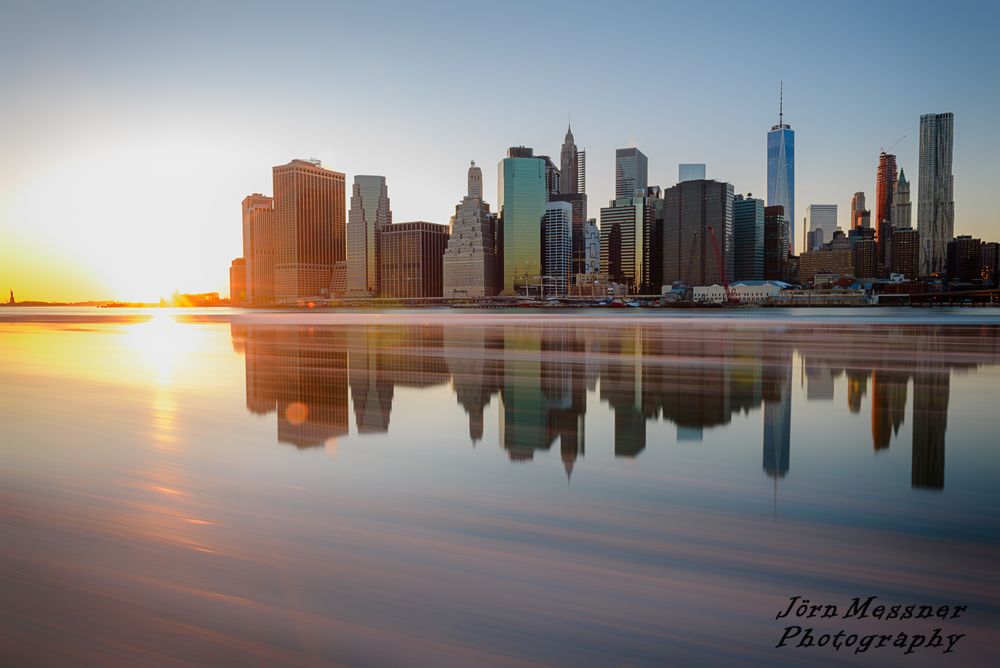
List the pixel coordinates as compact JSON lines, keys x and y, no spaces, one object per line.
{"x":309,"y":229}
{"x":963,"y":261}
{"x":571,"y":190}
{"x":557,"y":247}
{"x":592,"y":247}
{"x":901,"y":207}
{"x":470,"y":261}
{"x":238,"y":281}
{"x":885,"y":186}
{"x":569,"y":165}
{"x":781,"y":171}
{"x":822,"y":217}
{"x":521,"y":196}
{"x":906,"y":252}
{"x":655,"y":216}
{"x":857,"y":210}
{"x":689,"y":248}
{"x":775,"y":243}
{"x":368,"y":215}
{"x":748,"y":232}
{"x":865,"y":250}
{"x":623,"y":241}
{"x":935,"y":187}
{"x":631,"y":168}
{"x":258,"y":248}
{"x":412,"y":259}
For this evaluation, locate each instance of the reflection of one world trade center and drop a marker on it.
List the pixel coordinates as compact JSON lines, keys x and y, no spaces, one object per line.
{"x":777,"y":395}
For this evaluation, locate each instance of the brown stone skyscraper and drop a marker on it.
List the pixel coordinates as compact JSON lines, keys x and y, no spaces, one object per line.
{"x":310,"y":221}
{"x":884,"y":187}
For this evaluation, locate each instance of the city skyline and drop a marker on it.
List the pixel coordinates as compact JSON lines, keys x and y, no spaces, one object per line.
{"x":119,"y":92}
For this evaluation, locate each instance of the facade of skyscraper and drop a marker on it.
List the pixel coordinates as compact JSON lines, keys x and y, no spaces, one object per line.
{"x":470,"y":261}
{"x":857,"y":210}
{"x":521,"y":197}
{"x":412,"y":258}
{"x":885,"y":187}
{"x":989,"y":254}
{"x":901,"y":207}
{"x":369,"y":213}
{"x":963,"y":261}
{"x":935,"y":190}
{"x":748,"y":232}
{"x":238,"y":281}
{"x":572,"y":164}
{"x":592,"y":247}
{"x":553,"y":178}
{"x":655,"y":216}
{"x":309,"y":222}
{"x":822,"y":217}
{"x":258,"y":248}
{"x":775,"y":243}
{"x":569,"y":165}
{"x":581,"y":171}
{"x":906,"y":252}
{"x":689,"y":247}
{"x":557,"y":248}
{"x":690,"y":172}
{"x":578,"y":203}
{"x":631,"y":173}
{"x":623,"y":241}
{"x":781,"y":173}
{"x":865,"y":250}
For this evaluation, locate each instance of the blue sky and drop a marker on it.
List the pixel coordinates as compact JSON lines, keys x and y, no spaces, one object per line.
{"x":143,"y":125}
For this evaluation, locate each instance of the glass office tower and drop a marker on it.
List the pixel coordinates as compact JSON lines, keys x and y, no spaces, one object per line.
{"x":521,"y":197}
{"x":748,"y":231}
{"x":631,"y":169}
{"x":781,"y":175}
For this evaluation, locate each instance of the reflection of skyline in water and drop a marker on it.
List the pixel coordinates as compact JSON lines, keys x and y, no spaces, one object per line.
{"x":696,"y":378}
{"x":376,"y":534}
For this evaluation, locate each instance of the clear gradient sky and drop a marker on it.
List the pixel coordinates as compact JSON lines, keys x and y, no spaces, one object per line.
{"x":131,"y":131}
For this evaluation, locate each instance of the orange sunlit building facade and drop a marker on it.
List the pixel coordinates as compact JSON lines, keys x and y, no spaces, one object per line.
{"x":309,"y":226}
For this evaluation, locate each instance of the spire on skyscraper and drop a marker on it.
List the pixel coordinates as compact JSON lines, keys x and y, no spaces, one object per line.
{"x":781,"y":103}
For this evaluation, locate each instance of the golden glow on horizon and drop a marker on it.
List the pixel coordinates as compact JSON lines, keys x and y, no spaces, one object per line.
{"x":125,"y":218}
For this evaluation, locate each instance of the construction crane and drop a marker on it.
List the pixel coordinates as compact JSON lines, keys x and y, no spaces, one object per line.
{"x":731,"y":297}
{"x":886,"y":150}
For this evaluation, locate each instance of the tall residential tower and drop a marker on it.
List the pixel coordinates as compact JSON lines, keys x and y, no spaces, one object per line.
{"x":935,"y":190}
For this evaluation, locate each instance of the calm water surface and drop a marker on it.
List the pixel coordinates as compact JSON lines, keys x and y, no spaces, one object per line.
{"x":214,"y":487}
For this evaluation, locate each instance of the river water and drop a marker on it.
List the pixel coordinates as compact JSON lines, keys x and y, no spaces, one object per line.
{"x":459,"y":488}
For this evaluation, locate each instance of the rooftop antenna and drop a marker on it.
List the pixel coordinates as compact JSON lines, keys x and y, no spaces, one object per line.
{"x":781,"y":103}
